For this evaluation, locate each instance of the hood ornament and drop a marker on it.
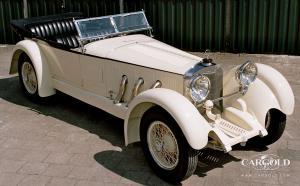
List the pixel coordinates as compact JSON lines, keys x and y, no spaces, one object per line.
{"x":207,"y":61}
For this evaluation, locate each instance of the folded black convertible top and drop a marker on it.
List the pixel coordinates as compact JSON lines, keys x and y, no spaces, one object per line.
{"x":20,"y":26}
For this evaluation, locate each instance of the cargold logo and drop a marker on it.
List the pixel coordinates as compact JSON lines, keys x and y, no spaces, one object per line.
{"x":266,"y":162}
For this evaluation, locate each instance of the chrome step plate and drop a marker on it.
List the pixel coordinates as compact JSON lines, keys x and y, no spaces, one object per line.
{"x":229,"y":128}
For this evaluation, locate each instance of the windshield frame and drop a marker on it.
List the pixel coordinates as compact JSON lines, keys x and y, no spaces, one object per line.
{"x":111,"y":17}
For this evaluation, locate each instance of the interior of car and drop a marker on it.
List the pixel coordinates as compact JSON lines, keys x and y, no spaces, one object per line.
{"x":57,"y":29}
{"x":61,"y":31}
{"x":71,"y":30}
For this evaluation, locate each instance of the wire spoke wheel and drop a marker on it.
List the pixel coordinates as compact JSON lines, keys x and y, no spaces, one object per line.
{"x":29,"y":77}
{"x":163,"y":145}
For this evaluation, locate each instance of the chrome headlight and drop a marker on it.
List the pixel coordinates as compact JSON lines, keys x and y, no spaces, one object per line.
{"x":246,"y":73}
{"x":199,"y":88}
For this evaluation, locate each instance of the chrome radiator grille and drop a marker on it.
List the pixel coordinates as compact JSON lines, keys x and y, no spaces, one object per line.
{"x":216,"y":90}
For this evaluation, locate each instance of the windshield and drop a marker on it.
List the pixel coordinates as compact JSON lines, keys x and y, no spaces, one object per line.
{"x":111,"y":25}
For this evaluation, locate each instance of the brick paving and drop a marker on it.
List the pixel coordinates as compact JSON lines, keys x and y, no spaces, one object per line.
{"x":66,"y":142}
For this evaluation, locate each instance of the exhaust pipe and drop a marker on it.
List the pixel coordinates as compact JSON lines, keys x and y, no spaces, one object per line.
{"x":122,"y":90}
{"x":157,"y":84}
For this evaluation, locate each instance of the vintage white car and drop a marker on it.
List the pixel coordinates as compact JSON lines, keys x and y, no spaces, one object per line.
{"x":173,"y":102}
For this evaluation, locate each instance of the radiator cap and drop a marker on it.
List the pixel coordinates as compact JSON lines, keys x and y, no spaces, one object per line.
{"x":207,"y":62}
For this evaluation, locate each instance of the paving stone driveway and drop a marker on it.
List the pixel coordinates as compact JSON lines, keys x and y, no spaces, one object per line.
{"x":66,"y":142}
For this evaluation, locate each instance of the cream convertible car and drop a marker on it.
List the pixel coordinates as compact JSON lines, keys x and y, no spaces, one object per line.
{"x":174,"y":103}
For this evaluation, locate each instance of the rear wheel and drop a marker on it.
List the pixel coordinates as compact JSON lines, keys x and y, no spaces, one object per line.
{"x":28,"y":78}
{"x":275,"y":124}
{"x":165,"y":146}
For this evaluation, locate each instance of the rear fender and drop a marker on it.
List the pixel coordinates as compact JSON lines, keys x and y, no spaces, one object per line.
{"x":39,"y":61}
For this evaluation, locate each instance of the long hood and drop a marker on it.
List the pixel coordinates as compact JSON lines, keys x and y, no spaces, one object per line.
{"x":143,"y":51}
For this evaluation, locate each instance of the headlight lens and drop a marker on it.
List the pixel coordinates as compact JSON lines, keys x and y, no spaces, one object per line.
{"x":246,"y":73}
{"x":199,"y":88}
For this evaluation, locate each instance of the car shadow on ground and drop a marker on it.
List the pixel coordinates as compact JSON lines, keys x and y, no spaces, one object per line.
{"x":129,"y":162}
{"x":69,"y":110}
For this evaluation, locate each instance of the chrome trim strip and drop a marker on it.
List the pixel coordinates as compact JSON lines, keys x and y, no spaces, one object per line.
{"x":122,"y":90}
{"x":114,"y":24}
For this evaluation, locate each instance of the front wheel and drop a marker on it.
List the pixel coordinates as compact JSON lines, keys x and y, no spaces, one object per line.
{"x":165,"y":147}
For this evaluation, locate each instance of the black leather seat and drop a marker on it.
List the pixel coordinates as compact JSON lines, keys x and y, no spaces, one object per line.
{"x":68,"y":40}
{"x":63,"y":32}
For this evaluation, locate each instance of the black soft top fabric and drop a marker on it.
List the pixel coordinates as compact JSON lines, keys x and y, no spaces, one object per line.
{"x":21,"y":26}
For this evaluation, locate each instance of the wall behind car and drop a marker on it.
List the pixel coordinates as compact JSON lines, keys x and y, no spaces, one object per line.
{"x":249,"y":26}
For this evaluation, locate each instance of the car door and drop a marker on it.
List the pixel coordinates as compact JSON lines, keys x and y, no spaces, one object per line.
{"x":92,"y":74}
{"x":64,"y":64}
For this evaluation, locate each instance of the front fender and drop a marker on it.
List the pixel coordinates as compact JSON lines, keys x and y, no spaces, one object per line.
{"x":39,"y":61}
{"x":269,"y":90}
{"x":194,"y":127}
{"x":279,"y":86}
